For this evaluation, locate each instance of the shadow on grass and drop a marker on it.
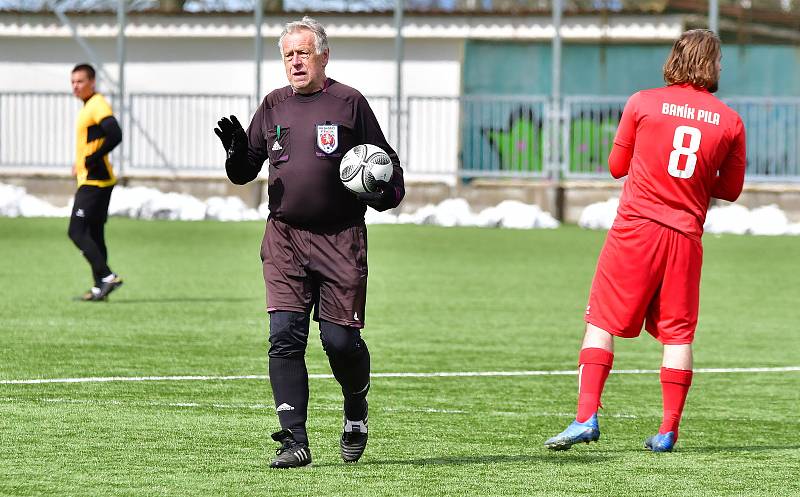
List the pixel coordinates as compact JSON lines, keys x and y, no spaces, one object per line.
{"x":735,"y":448}
{"x":546,"y":457}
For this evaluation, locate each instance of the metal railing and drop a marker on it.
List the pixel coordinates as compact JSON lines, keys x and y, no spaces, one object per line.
{"x":451,"y":137}
{"x":773,"y":136}
{"x":175,"y":132}
{"x":432,"y":126}
{"x":37,"y":129}
{"x":588,"y":127}
{"x":772,"y":129}
{"x":504,"y":136}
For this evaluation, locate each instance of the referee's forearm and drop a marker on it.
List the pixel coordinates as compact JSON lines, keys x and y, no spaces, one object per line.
{"x":240,"y":170}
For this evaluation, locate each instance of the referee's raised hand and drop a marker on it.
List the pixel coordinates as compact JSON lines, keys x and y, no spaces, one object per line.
{"x":232,"y":135}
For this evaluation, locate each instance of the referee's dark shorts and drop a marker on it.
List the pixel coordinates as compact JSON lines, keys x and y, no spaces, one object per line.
{"x":326,"y":269}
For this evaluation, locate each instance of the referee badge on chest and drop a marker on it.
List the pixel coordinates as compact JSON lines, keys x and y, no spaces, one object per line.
{"x":328,"y":137}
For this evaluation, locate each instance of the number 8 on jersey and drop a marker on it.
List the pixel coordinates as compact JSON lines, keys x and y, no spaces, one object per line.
{"x":689,"y":152}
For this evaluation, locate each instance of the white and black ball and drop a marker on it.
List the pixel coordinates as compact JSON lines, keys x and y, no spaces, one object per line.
{"x":362,"y":166}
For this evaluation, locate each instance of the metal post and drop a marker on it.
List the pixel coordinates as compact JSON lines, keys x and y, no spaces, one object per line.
{"x":713,"y":15}
{"x":556,"y":84}
{"x":259,"y":49}
{"x":398,"y":54}
{"x":58,"y":10}
{"x":121,"y":21}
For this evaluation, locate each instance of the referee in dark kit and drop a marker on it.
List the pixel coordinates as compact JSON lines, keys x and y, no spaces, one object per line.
{"x":314,"y":250}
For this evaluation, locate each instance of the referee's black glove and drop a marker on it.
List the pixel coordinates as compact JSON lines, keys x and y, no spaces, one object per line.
{"x":381,"y":198}
{"x":232,"y":136}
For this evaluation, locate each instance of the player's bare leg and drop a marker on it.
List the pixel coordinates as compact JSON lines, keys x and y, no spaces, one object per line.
{"x":678,"y":357}
{"x":597,"y":338}
{"x":676,"y":378}
{"x":595,"y":361}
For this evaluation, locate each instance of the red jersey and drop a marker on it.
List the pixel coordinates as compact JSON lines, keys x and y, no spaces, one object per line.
{"x":687,"y":146}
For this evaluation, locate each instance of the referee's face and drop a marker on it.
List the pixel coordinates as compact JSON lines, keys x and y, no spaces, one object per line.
{"x":305,"y":69}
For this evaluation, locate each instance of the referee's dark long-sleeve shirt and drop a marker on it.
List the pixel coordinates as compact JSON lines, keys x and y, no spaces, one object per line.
{"x":304,"y":138}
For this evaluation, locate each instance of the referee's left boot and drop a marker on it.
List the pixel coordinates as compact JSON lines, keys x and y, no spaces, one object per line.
{"x":588,"y":431}
{"x":291,"y":453}
{"x":354,"y":440}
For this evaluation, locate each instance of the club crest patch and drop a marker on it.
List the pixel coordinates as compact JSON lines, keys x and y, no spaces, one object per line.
{"x":328,"y":137}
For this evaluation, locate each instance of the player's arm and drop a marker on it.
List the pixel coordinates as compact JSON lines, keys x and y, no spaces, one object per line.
{"x":389,"y":193}
{"x":246,"y":152}
{"x":112,"y":137}
{"x":619,"y":160}
{"x":730,"y":179}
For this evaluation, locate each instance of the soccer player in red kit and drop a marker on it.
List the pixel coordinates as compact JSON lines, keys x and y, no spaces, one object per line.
{"x":679,"y":146}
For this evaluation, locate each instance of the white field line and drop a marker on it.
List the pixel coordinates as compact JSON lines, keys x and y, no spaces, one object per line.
{"x":443,"y":374}
{"x":215,"y":405}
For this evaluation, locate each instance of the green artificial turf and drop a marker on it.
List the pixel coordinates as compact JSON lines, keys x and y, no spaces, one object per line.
{"x":440,"y":300}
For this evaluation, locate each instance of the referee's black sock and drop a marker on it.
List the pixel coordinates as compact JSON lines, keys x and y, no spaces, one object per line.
{"x":348,"y":356}
{"x":289,"y":380}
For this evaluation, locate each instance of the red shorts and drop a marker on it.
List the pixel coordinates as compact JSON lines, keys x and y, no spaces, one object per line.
{"x":323,"y":271}
{"x":647,"y":273}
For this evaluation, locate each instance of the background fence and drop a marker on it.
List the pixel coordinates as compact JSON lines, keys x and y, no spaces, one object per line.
{"x":175,"y":132}
{"x":451,"y":137}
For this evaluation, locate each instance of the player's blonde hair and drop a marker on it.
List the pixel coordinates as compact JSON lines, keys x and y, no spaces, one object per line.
{"x":693,"y":59}
{"x":310,"y":24}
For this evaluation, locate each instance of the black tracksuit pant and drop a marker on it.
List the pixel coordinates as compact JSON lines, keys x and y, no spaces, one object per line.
{"x":87,"y":227}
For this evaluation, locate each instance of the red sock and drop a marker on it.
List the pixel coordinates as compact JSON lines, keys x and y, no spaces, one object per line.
{"x":675,"y":385}
{"x":595,"y":364}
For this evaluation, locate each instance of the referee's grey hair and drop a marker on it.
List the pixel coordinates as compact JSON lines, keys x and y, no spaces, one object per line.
{"x":320,"y":38}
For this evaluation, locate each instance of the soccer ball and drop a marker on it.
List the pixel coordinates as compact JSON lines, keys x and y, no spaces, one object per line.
{"x":362,"y":166}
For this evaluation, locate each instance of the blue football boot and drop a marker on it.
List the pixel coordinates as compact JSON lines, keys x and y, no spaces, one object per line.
{"x":661,"y":442}
{"x":588,"y":431}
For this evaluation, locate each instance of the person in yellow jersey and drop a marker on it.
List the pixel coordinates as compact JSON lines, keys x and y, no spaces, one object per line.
{"x":97,"y":133}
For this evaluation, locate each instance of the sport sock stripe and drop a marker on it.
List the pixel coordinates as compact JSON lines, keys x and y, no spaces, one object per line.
{"x":359,"y":426}
{"x":289,"y":381}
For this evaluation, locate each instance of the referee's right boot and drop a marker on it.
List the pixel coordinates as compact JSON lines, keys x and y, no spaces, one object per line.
{"x":588,"y":431}
{"x":291,"y":454}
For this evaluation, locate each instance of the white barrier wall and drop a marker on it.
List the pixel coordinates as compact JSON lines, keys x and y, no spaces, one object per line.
{"x":219,"y":65}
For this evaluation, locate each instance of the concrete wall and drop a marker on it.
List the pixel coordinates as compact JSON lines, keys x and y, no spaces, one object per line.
{"x":224,"y":65}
